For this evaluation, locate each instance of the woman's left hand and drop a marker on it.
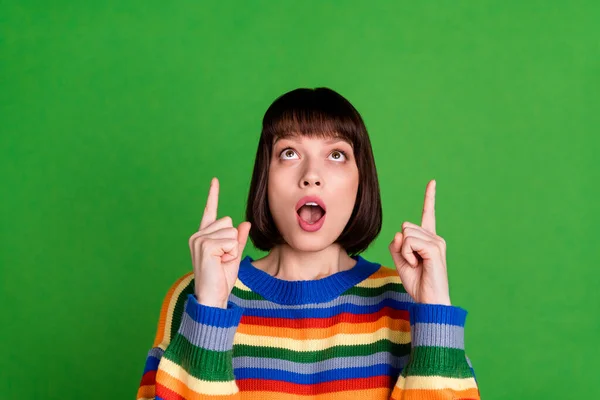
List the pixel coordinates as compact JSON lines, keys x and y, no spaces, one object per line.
{"x":420,"y":256}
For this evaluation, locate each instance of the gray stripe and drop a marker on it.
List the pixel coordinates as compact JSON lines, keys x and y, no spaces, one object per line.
{"x":206,"y":336}
{"x":347,"y":299}
{"x":428,"y":334}
{"x":320,"y":366}
{"x":469,"y":362}
{"x":156,"y":352}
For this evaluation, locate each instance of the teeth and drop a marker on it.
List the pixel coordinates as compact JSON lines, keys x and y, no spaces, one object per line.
{"x":312,"y":203}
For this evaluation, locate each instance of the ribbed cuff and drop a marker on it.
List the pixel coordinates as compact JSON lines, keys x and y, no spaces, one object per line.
{"x":437,"y":340}
{"x":437,"y":313}
{"x":203,"y":344}
{"x":208,"y":327}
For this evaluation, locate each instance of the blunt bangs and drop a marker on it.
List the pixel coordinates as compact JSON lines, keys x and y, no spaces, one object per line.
{"x":318,"y":113}
{"x":315,"y":113}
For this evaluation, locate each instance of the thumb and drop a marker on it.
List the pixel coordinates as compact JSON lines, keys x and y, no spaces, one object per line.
{"x":243,"y":232}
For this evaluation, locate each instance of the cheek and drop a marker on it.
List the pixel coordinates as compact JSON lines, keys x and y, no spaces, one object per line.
{"x":278,"y":192}
{"x":346,"y":192}
{"x":347,"y":181}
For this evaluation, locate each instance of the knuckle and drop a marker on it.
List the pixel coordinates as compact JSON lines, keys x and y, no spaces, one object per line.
{"x":232,"y":233}
{"x":194,"y":238}
{"x":441,"y":248}
{"x":204,"y":245}
{"x":226,"y":233}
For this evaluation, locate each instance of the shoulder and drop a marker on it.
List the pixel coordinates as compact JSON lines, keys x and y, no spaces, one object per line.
{"x":386,"y":287}
{"x":171,"y":310}
{"x":382,"y":276}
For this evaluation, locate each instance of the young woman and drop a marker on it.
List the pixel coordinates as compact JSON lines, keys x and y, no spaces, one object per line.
{"x":312,"y":319}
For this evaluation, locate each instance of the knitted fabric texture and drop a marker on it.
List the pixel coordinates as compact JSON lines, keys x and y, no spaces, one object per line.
{"x":355,"y":335}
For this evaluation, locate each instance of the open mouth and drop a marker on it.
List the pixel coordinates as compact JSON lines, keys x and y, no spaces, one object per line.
{"x":311,"y":213}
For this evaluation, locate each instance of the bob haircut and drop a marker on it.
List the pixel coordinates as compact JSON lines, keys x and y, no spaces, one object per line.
{"x":320,"y":113}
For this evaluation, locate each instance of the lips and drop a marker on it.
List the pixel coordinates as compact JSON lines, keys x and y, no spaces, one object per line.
{"x":308,"y":199}
{"x":310,"y":219}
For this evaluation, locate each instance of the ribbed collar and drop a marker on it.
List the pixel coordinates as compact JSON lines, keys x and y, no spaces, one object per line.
{"x":304,"y":292}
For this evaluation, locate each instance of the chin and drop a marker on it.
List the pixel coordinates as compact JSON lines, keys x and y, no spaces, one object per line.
{"x":309,"y":246}
{"x":308,"y":241}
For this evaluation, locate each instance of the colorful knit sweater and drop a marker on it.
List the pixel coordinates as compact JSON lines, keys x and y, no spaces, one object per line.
{"x":354,"y":335}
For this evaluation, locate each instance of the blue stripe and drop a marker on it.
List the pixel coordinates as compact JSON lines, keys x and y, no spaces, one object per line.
{"x":151,"y":364}
{"x":320,"y":377}
{"x":437,"y":314}
{"x":326,"y":312}
{"x":213,"y":316}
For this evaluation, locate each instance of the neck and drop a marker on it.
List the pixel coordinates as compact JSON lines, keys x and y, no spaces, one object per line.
{"x":286,"y":263}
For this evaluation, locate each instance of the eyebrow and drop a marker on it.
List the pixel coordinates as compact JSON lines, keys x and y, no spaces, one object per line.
{"x":335,"y":140}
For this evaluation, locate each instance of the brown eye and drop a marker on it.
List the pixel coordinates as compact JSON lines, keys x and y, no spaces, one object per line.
{"x":287,"y":152}
{"x":339,"y":152}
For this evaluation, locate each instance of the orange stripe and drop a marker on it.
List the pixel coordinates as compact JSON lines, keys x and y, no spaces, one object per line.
{"x":160,"y":333}
{"x":145,"y":392}
{"x":323,"y":333}
{"x":174,"y":385}
{"x":379,"y":393}
{"x":420,"y":394}
{"x":383,"y":272}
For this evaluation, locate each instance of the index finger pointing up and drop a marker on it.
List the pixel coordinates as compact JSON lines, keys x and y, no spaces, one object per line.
{"x":212,"y":203}
{"x":428,"y":219}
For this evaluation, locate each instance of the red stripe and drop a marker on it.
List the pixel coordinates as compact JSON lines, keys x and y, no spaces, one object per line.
{"x":305,"y":323}
{"x":167,"y":394}
{"x":383,"y":381}
{"x":148,"y":378}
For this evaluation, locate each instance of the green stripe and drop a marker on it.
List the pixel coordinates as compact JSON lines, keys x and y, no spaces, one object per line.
{"x":316,"y":356}
{"x":179,"y":308}
{"x":376,"y":291}
{"x":246,"y":295}
{"x":440,"y":361}
{"x":215,"y":366}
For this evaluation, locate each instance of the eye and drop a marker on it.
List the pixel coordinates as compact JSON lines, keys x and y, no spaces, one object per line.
{"x":287,"y":152}
{"x":336,"y":151}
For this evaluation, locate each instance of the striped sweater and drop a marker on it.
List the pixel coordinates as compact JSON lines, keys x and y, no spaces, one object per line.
{"x":353,"y":335}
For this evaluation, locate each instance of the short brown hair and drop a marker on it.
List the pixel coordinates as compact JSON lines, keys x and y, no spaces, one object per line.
{"x":323,"y":113}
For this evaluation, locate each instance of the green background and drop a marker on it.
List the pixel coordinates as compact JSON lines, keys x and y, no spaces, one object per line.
{"x":115,"y":115}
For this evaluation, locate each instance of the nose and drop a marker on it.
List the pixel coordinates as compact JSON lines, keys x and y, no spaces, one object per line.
{"x":314,"y":182}
{"x":311,"y":174}
{"x":310,"y":178}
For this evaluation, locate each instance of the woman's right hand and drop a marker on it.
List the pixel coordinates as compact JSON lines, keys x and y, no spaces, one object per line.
{"x":216,"y":251}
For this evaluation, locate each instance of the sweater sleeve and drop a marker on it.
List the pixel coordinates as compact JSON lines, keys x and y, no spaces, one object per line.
{"x":438,"y":368}
{"x":197,"y":362}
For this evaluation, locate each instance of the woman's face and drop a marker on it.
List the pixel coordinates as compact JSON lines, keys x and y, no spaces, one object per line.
{"x":304,"y":166}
